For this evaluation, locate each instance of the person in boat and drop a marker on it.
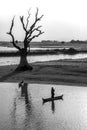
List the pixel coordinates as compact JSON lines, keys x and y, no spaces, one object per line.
{"x":52,"y":92}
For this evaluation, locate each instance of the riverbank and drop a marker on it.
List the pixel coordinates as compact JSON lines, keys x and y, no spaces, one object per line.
{"x":69,"y":72}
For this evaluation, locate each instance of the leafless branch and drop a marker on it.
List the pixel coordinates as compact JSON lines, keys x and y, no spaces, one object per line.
{"x":36,"y":29}
{"x":36,"y":20}
{"x":37,"y":35}
{"x":22,"y":21}
{"x":32,"y":31}
{"x":36,"y":14}
{"x":12,"y":36}
{"x":29,"y":32}
{"x":28,"y":18}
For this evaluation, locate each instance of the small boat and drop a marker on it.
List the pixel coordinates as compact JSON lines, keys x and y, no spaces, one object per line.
{"x":52,"y":99}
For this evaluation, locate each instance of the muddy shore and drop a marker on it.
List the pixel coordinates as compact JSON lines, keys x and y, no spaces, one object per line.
{"x":68,"y":72}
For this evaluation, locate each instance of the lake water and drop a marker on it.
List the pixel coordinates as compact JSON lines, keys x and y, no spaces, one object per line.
{"x":40,"y":58}
{"x":23,"y":109}
{"x":9,"y":49}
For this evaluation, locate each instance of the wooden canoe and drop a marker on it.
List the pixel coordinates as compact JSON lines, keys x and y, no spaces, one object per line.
{"x":52,"y":99}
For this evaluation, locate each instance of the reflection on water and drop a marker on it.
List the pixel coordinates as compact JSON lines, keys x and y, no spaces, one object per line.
{"x":24,"y":93}
{"x":53,"y":106}
{"x":52,"y":99}
{"x":40,"y":58}
{"x":21,"y":108}
{"x":23,"y":115}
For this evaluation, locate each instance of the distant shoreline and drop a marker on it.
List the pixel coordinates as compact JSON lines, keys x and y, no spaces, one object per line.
{"x":52,"y":47}
{"x":70,"y":51}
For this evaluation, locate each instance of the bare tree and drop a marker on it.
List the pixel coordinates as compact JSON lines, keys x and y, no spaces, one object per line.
{"x":30,"y":33}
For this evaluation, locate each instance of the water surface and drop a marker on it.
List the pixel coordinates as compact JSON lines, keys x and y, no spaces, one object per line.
{"x":40,"y":58}
{"x":22,"y":108}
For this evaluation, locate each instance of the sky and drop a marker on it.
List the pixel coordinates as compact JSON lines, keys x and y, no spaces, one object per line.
{"x":63,"y":20}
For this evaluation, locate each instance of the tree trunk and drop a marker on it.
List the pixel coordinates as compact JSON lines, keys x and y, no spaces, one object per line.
{"x":23,"y":65}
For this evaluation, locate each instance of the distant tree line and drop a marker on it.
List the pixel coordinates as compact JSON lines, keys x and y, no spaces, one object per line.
{"x":78,"y":41}
{"x":72,"y":41}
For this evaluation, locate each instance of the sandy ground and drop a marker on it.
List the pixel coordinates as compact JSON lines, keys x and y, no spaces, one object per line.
{"x":70,"y":72}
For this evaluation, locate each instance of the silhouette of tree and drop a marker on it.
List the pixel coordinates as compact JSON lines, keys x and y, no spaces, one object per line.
{"x":30,"y":33}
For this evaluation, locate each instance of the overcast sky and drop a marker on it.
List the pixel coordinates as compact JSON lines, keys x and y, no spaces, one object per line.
{"x":63,"y":19}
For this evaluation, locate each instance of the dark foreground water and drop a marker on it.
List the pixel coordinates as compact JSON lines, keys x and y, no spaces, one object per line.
{"x":23,"y":109}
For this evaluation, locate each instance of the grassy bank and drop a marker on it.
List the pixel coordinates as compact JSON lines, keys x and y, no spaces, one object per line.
{"x":73,"y":72}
